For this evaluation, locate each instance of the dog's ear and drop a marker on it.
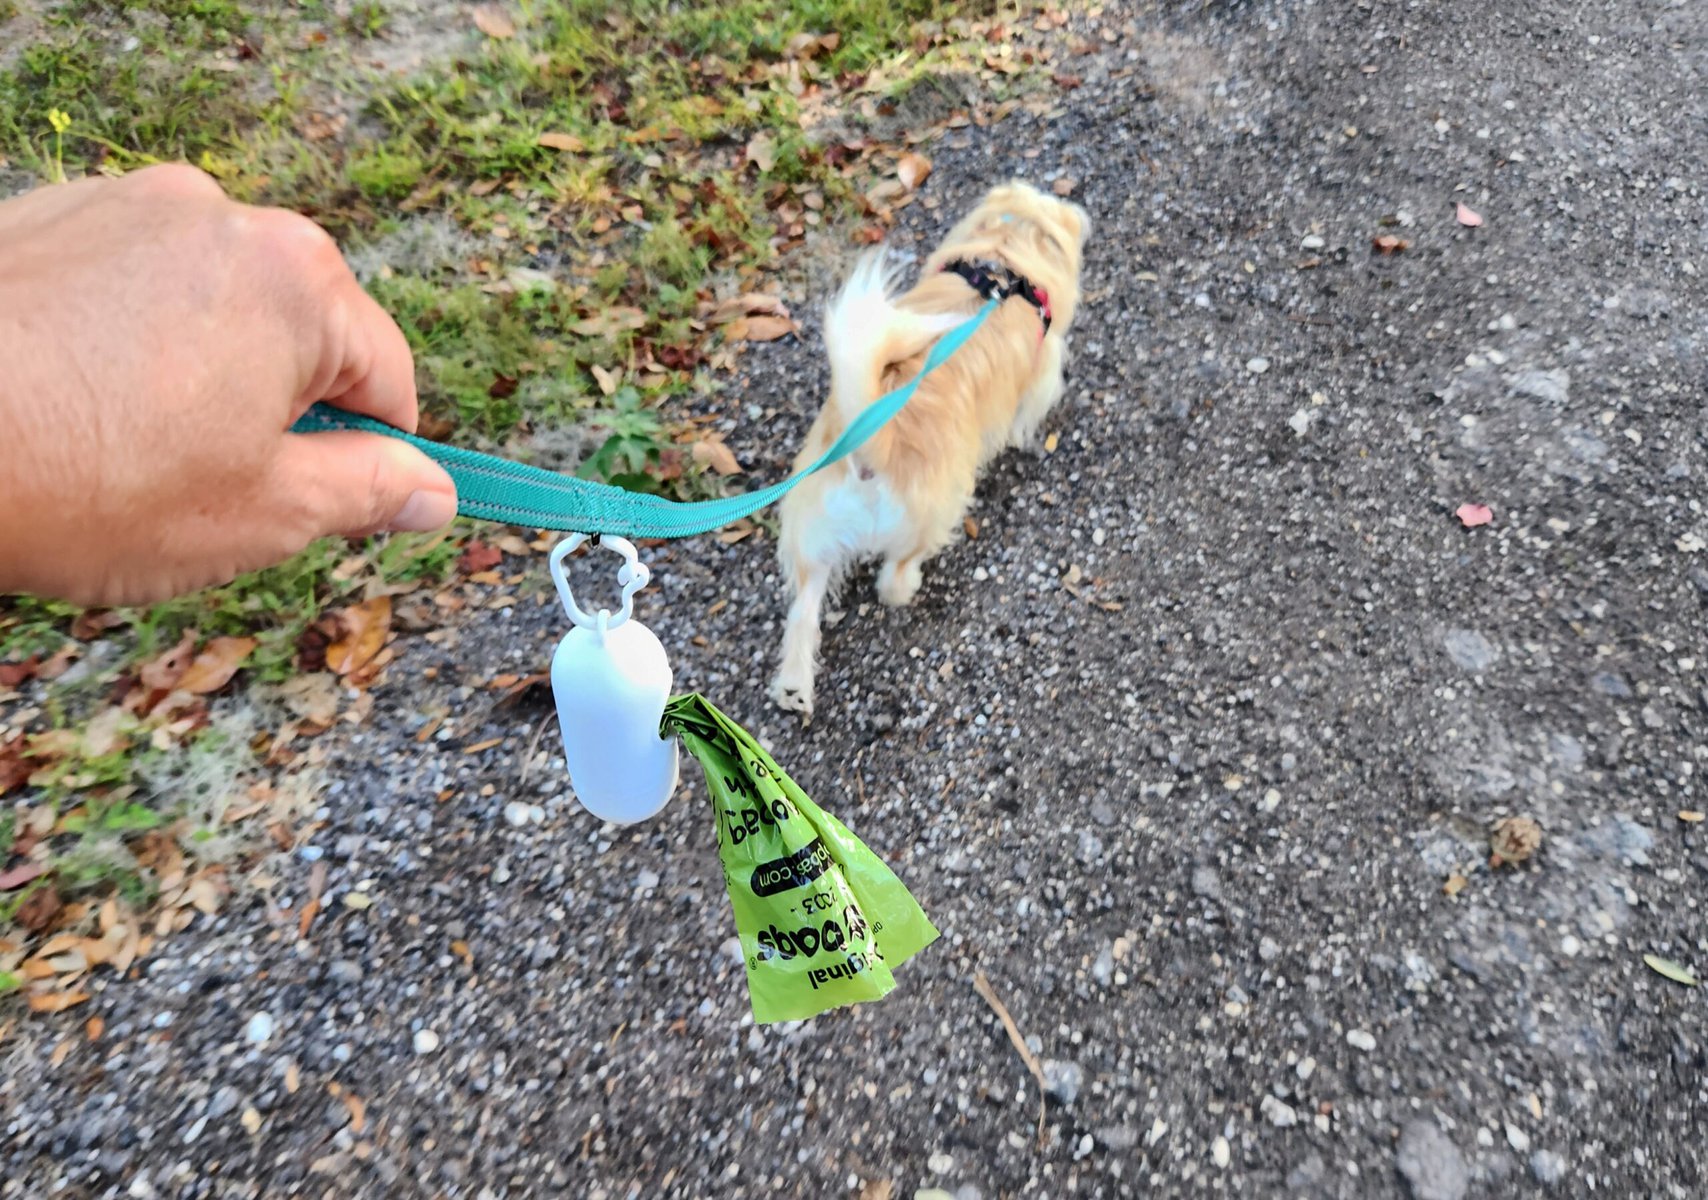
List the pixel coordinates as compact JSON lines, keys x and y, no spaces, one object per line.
{"x":1081,"y":223}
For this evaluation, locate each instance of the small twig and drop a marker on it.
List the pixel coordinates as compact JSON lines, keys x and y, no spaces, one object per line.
{"x":533,"y":744}
{"x":981,"y":985}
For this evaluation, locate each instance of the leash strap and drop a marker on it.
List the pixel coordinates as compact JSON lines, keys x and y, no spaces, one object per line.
{"x":496,"y":489}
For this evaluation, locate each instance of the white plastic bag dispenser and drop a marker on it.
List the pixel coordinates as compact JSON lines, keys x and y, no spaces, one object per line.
{"x":611,"y":679}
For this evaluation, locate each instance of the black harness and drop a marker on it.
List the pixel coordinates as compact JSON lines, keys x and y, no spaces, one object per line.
{"x":992,"y":282}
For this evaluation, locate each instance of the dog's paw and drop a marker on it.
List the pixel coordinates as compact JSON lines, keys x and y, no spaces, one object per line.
{"x":898,"y":588}
{"x":792,"y":696}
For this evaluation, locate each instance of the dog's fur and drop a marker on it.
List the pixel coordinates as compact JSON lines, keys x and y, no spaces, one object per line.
{"x":903,"y":495}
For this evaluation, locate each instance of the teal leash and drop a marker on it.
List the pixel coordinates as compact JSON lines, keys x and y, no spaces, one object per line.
{"x":496,"y":489}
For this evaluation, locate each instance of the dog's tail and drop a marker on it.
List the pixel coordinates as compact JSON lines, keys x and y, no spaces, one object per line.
{"x":865,"y":332}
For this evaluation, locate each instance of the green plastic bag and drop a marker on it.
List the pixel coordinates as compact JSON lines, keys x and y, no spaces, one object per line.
{"x":823,"y":922}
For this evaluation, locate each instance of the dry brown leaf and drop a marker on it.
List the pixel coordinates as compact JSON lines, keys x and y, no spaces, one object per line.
{"x":312,"y":698}
{"x":609,"y":321}
{"x":365,"y":628}
{"x":877,"y":1189}
{"x":53,"y":1002}
{"x":1064,"y":186}
{"x":971,"y":526}
{"x":106,"y":733}
{"x":609,"y":381}
{"x":1455,"y":884}
{"x":759,"y":329}
{"x":567,"y":142}
{"x":719,"y":457}
{"x":60,"y":1053}
{"x":163,"y":673}
{"x":93,"y":1028}
{"x":747,"y":304}
{"x":913,"y":170}
{"x":494,"y":22}
{"x":203,"y":894}
{"x":213,"y":668}
{"x":762,"y":152}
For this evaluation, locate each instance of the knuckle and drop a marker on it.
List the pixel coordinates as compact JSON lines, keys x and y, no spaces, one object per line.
{"x":175,"y":180}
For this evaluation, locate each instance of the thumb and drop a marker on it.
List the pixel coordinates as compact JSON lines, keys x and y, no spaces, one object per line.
{"x":350,"y":483}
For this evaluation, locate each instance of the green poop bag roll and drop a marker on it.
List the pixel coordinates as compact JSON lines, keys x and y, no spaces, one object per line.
{"x":823,"y":922}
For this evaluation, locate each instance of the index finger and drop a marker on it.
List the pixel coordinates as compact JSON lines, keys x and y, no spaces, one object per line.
{"x":353,"y":355}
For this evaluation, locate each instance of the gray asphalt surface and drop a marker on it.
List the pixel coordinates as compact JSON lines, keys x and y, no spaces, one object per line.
{"x":1198,"y":844}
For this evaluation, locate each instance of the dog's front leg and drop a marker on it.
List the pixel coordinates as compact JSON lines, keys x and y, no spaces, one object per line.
{"x":792,"y":689}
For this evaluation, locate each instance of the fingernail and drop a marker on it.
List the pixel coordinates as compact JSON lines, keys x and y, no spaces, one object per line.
{"x":423,"y":511}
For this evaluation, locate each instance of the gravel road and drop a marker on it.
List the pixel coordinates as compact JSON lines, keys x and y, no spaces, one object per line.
{"x":1180,"y":751}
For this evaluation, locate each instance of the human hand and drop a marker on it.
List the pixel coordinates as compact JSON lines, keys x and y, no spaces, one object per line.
{"x":157,"y":341}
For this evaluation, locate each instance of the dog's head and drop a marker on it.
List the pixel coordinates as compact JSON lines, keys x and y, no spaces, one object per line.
{"x":1033,"y":234}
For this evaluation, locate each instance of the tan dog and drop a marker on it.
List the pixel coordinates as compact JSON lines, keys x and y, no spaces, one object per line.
{"x":902,"y":496}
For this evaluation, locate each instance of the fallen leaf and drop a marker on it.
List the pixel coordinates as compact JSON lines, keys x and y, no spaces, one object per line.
{"x":93,"y":622}
{"x":312,"y":697}
{"x":567,"y":142}
{"x":1672,"y":970}
{"x":1064,"y":186}
{"x":913,"y":170}
{"x":17,"y":877}
{"x":1388,"y":244}
{"x":93,"y":1028}
{"x":358,"y":1111}
{"x":60,"y":662}
{"x":877,"y":1189}
{"x":745,"y":305}
{"x":1067,"y":82}
{"x":365,"y":628}
{"x":1473,"y":515}
{"x":1467,"y":217}
{"x":608,"y":321}
{"x":762,"y":152}
{"x":719,"y":457}
{"x":608,"y":380}
{"x":162,"y":674}
{"x":1455,"y":884}
{"x":14,"y":673}
{"x":1514,"y":840}
{"x":971,"y":526}
{"x":759,"y":329}
{"x":478,"y":556}
{"x":52,"y":1002}
{"x":38,"y":912}
{"x":213,"y":668}
{"x":1051,"y":442}
{"x":16,"y":766}
{"x":494,"y":22}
